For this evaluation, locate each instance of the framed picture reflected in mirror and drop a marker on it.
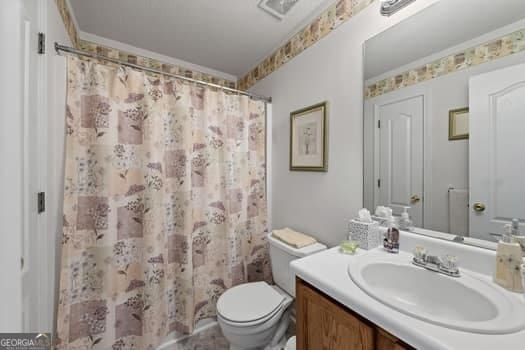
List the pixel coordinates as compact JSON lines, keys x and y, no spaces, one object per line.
{"x":458,"y":124}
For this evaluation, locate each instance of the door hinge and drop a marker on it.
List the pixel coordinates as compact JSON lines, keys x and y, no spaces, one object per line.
{"x":41,"y":202}
{"x":41,"y":43}
{"x":378,"y":182}
{"x":379,"y":124}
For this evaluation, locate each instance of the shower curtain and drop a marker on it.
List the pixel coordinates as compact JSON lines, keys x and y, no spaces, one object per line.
{"x":164,"y":205}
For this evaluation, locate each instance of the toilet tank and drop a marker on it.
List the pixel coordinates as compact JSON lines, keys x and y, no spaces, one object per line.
{"x":281,"y":255}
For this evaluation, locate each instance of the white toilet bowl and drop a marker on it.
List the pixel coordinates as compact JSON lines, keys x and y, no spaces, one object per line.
{"x":255,"y":315}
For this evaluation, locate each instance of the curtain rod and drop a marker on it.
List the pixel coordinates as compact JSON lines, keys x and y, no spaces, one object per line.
{"x":72,"y":50}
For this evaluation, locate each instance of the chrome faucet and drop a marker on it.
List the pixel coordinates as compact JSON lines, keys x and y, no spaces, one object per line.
{"x":446,"y":264}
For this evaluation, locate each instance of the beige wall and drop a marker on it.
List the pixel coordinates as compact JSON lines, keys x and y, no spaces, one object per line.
{"x":56,"y":120}
{"x":321,"y":203}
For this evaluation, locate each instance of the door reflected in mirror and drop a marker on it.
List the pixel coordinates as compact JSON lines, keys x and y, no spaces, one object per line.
{"x":444,"y":117}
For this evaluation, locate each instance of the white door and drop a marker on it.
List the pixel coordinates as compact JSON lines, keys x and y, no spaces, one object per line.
{"x":34,"y":268}
{"x":11,"y":170}
{"x":497,"y":143}
{"x":400,"y":145}
{"x":23,"y":264}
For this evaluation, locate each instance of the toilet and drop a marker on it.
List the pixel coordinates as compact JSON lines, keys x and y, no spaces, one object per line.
{"x":256,"y":315}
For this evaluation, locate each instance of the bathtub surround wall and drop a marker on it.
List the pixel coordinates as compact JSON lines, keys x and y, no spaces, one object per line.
{"x":330,"y":70}
{"x":164,"y":205}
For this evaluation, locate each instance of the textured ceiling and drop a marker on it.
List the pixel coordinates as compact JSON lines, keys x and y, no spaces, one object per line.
{"x":230,"y":36}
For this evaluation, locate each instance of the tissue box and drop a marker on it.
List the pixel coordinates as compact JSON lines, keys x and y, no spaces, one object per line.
{"x":366,"y":234}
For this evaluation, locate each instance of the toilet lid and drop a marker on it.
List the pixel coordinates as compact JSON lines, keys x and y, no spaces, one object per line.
{"x":249,"y":302}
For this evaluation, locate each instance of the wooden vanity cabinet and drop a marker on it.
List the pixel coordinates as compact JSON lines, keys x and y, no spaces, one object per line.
{"x":325,"y":324}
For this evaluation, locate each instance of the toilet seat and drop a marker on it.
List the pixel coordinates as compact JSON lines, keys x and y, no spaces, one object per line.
{"x":249,"y":304}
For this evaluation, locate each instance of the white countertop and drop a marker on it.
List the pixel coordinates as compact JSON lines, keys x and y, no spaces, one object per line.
{"x":327,"y":271}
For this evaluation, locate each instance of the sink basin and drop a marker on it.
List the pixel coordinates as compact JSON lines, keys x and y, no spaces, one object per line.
{"x":468,"y":303}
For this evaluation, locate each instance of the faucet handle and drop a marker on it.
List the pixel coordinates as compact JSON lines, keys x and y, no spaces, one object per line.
{"x":449,"y":262}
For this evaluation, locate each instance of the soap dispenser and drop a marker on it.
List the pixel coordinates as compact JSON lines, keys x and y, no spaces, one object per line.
{"x":404,"y":221}
{"x":391,"y":241}
{"x":508,"y":262}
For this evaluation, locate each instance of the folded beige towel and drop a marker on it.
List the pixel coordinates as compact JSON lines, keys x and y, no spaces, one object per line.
{"x":293,"y":238}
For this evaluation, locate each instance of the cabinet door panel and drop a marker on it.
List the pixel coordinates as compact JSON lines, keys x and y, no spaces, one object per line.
{"x":322,"y":324}
{"x":385,"y":341}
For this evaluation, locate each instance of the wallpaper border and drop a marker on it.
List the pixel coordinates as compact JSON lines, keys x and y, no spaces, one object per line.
{"x":335,"y":15}
{"x":507,"y":45}
{"x":152,"y":63}
{"x":63,"y":9}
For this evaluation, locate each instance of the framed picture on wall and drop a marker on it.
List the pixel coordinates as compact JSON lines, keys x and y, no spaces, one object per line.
{"x":458,"y":124}
{"x":308,"y":140}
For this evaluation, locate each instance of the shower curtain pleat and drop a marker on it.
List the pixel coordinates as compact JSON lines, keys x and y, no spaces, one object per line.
{"x":164,"y":205}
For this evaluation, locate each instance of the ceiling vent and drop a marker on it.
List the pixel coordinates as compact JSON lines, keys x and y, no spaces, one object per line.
{"x":389,"y":7}
{"x":277,"y":8}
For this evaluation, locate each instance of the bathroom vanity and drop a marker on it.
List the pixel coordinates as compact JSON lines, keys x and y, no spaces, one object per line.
{"x":377,"y":300}
{"x":324,"y":323}
{"x":442,"y":122}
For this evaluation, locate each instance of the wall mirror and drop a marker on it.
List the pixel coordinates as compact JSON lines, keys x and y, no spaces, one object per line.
{"x":444,"y":118}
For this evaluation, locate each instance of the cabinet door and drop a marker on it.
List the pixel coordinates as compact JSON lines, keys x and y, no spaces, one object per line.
{"x":386,"y":341}
{"x":323,"y":324}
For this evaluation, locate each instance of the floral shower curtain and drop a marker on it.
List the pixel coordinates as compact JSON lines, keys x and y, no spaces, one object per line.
{"x":164,"y":205}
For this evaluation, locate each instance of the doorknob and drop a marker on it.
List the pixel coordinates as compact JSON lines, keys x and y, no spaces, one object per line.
{"x":479,"y":207}
{"x":415,"y":198}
